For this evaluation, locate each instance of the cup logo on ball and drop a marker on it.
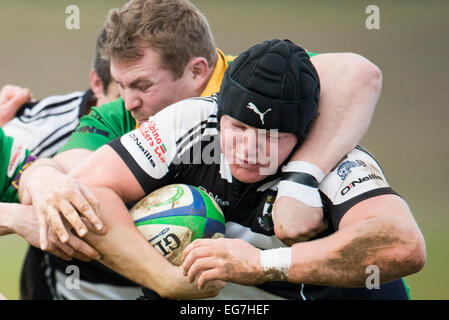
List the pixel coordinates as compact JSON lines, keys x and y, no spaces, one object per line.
{"x":171,"y":217}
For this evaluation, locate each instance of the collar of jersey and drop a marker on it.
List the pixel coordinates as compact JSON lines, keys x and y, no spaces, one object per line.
{"x":213,"y":86}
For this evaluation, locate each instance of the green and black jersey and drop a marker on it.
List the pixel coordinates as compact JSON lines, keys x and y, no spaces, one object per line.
{"x":14,"y":159}
{"x":102,"y":125}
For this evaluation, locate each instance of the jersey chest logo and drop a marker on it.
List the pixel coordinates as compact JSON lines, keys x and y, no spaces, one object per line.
{"x":266,"y":221}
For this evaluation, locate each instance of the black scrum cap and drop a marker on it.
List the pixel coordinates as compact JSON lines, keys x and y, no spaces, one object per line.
{"x":272,"y":85}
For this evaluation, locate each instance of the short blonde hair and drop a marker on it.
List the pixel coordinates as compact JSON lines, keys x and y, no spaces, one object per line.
{"x":175,"y":29}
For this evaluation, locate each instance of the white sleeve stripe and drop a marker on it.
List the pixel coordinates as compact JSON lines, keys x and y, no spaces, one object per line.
{"x":52,"y":102}
{"x":54,"y":136}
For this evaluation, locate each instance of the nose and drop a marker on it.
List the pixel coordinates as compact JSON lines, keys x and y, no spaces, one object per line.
{"x":249,"y":146}
{"x":132,"y":100}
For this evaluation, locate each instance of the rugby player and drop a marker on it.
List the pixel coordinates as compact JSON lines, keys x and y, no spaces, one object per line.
{"x":20,"y":219}
{"x":38,"y":277}
{"x":43,"y":127}
{"x":149,"y":81}
{"x":369,"y":223}
{"x":158,"y":58}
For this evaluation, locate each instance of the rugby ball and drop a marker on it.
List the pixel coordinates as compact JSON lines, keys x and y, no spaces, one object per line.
{"x":173,"y":216}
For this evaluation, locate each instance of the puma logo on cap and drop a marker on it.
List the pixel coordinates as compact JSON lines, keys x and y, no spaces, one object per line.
{"x":253,"y":107}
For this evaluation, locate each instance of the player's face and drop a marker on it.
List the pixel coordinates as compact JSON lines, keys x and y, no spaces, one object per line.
{"x":253,"y":153}
{"x":147,"y":88}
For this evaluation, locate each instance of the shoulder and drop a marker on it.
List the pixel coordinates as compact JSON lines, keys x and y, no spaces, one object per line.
{"x":358,"y":172}
{"x":189,"y":110}
{"x":14,"y":157}
{"x":111,"y":110}
{"x":50,"y":105}
{"x":45,"y":125}
{"x":186,"y":116}
{"x":358,"y":177}
{"x":13,"y":154}
{"x":181,"y":120}
{"x":103,"y":124}
{"x":160,"y":140}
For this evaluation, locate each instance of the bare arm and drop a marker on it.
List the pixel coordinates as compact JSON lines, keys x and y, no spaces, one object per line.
{"x":46,"y":186}
{"x":20,"y":219}
{"x":62,"y":163}
{"x":379,"y":231}
{"x":350,"y":88}
{"x":123,"y":248}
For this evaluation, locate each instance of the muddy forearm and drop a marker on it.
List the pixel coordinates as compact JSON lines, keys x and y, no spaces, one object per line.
{"x":342,"y":258}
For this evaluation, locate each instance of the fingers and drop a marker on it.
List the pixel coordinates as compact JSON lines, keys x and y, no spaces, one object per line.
{"x":60,"y":254}
{"x":201,"y":265}
{"x":197,"y":244}
{"x":42,"y":230}
{"x":23,"y":96}
{"x":68,"y":251}
{"x":58,"y":226}
{"x":74,"y":203}
{"x":72,"y":217}
{"x":14,"y":96}
{"x":193,"y":254}
{"x":83,"y":248}
{"x":74,"y":248}
{"x":206,"y":276}
{"x":89,"y":207}
{"x":56,"y":251}
{"x":7,"y":92}
{"x":200,"y":256}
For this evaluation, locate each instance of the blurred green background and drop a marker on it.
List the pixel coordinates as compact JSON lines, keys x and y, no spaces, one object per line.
{"x":409,"y":131}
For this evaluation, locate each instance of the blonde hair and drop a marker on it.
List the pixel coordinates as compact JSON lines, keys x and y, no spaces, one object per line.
{"x":175,"y":29}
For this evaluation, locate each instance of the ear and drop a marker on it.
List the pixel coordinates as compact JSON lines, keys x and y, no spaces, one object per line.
{"x":95,"y":84}
{"x":199,"y":69}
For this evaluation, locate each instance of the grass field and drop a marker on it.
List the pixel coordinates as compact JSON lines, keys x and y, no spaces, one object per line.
{"x":409,"y":132}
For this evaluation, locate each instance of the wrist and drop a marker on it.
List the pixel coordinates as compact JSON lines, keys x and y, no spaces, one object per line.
{"x":31,"y":180}
{"x":7,"y":218}
{"x":169,"y":285}
{"x":300,"y":180}
{"x":276,"y":263}
{"x":305,"y":167}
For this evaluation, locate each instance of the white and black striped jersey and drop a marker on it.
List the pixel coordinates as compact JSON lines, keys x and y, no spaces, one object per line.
{"x":181,"y":144}
{"x":45,"y":126}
